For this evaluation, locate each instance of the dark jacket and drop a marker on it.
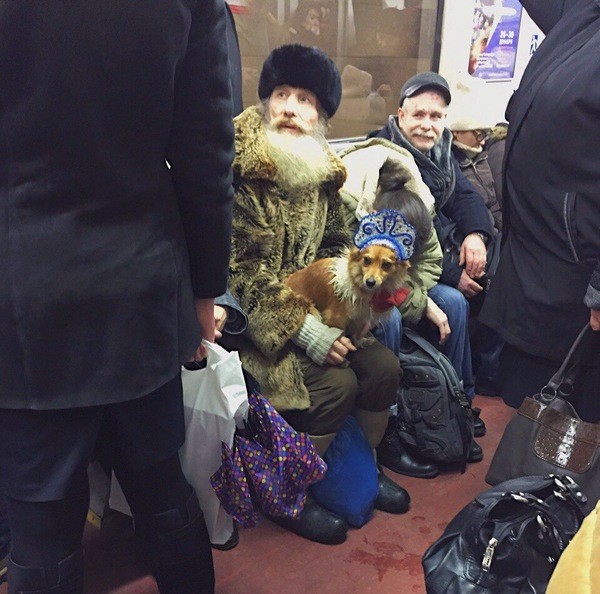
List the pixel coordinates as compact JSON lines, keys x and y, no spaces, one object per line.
{"x":235,"y":64}
{"x":456,"y":200}
{"x":495,"y":146}
{"x":549,"y":274}
{"x":478,"y":171}
{"x":96,"y":301}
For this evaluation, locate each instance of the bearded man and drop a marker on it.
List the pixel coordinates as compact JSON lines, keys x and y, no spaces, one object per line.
{"x":286,"y":214}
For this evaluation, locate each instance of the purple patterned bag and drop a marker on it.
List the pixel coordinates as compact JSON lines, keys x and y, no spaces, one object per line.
{"x":269,"y":468}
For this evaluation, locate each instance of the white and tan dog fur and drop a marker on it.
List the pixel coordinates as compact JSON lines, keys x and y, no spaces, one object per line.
{"x":342,"y":289}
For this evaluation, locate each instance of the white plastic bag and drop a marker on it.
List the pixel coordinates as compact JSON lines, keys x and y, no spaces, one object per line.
{"x":214,"y":399}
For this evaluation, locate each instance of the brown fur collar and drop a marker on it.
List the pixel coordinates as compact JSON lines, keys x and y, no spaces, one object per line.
{"x":251,"y":159}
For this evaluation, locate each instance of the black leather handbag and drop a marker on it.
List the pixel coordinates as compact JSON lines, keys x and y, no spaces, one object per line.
{"x":508,"y":539}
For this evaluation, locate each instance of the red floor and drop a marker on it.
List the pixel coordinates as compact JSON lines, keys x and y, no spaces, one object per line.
{"x":383,"y":557}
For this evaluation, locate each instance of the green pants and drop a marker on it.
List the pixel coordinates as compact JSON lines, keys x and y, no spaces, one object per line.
{"x":370,"y":382}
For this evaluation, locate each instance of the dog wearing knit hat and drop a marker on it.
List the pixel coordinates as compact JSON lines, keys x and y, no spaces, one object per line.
{"x":358,"y":289}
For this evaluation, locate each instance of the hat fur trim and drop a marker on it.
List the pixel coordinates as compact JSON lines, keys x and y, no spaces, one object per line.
{"x":306,"y":68}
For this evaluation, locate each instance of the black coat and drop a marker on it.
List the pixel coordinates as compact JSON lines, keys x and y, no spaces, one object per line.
{"x":552,"y":187}
{"x":96,"y":301}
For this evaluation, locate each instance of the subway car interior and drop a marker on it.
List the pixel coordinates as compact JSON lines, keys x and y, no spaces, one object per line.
{"x":377,"y":45}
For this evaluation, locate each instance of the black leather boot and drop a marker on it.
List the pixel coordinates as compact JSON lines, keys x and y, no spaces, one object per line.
{"x":479,"y":428}
{"x":179,"y":548}
{"x":315,"y":523}
{"x":393,"y":454}
{"x":391,"y":498}
{"x":64,"y":578}
{"x":475,"y":453}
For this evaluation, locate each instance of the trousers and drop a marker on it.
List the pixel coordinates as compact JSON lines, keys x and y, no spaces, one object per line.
{"x":457,"y":348}
{"x":4,"y":529}
{"x":369,"y":382}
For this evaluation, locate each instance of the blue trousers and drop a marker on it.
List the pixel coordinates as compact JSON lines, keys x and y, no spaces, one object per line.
{"x":457,"y":348}
{"x":4,"y":530}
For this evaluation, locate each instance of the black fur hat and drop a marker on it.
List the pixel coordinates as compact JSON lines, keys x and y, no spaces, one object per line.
{"x":305,"y":67}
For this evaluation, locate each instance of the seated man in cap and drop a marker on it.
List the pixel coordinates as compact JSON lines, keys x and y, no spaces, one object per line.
{"x":286,"y":215}
{"x":419,"y":128}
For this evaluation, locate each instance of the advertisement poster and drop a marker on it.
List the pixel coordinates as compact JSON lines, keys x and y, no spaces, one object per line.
{"x":494,"y":40}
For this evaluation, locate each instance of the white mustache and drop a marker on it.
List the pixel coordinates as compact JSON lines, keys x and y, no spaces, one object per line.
{"x":282,"y":120}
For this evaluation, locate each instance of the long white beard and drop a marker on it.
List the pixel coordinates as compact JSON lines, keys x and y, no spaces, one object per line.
{"x":301,"y":160}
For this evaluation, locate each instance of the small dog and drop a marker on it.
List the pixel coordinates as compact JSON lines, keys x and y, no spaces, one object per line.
{"x":359,"y":288}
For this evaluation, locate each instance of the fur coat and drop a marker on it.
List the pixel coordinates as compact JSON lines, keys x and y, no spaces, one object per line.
{"x":275,"y":233}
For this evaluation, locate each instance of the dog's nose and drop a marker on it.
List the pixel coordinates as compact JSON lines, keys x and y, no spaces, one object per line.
{"x":370,"y":282}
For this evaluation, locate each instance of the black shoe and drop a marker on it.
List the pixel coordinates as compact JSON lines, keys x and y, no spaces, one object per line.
{"x":479,"y":428}
{"x":231,"y":542}
{"x":486,"y":387}
{"x":475,"y":453}
{"x":316,"y":524}
{"x":391,"y":498}
{"x":392,"y":454}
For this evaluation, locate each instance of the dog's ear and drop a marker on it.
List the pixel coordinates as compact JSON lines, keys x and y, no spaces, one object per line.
{"x":354,"y":255}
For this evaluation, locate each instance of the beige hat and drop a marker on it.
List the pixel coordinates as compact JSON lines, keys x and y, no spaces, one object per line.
{"x":468,"y":110}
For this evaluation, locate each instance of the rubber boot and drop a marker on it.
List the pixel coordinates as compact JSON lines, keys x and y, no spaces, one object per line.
{"x":66,"y":577}
{"x":391,"y":498}
{"x":322,"y":442}
{"x":179,"y":548}
{"x":373,"y":424}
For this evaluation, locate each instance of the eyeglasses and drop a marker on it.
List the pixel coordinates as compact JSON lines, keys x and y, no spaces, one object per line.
{"x":480,"y":135}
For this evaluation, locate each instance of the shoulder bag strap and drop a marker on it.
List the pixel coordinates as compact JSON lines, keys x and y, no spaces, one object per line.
{"x":561,"y":383}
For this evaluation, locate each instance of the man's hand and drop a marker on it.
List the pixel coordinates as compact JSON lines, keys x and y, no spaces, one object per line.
{"x":595,"y":319}
{"x":221,"y":315}
{"x":338,"y":351}
{"x":473,"y":255}
{"x":434,"y":314}
{"x":467,"y":286}
{"x":205,"y":310}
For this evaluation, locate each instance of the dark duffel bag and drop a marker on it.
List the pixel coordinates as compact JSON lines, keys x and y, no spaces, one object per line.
{"x":508,"y":539}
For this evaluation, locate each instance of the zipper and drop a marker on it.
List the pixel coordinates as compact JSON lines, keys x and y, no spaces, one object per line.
{"x":486,"y":562}
{"x":568,"y":206}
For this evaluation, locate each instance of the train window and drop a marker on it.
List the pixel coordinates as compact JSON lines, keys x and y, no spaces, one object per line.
{"x":377,"y":45}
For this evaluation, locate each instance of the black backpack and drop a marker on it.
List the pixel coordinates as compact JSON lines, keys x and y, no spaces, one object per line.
{"x":435,"y":417}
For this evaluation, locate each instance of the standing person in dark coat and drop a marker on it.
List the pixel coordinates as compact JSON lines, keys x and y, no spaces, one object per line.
{"x":548,"y":283}
{"x":117,"y":144}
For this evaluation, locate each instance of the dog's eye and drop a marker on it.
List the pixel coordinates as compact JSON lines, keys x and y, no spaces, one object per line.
{"x":386,"y":265}
{"x":367,"y":261}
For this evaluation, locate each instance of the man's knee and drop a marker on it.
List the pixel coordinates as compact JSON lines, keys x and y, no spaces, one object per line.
{"x":333,"y":391}
{"x":452,"y":302}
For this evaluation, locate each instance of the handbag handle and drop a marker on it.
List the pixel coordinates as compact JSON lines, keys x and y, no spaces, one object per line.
{"x":561,"y":383}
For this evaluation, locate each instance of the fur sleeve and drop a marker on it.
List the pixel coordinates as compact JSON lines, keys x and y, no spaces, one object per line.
{"x":274,"y":313}
{"x":337,"y":236}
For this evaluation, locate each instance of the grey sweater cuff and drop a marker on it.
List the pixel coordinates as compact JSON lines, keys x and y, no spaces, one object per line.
{"x":316,"y":338}
{"x":592,"y":297}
